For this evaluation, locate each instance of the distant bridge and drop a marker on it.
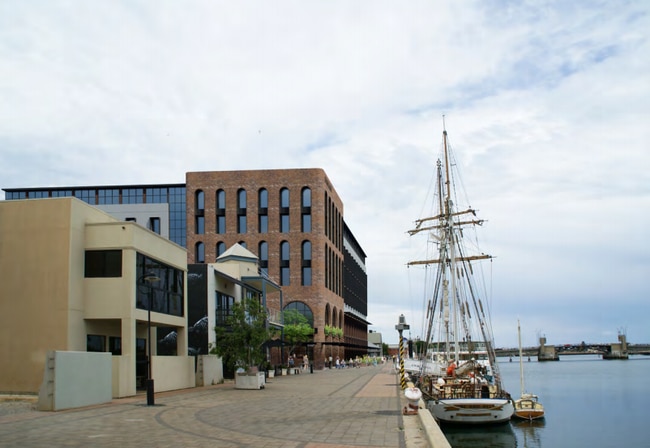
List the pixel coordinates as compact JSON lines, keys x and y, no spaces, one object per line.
{"x":576,"y":349}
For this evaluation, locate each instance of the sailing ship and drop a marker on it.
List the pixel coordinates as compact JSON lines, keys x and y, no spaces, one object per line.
{"x":527,"y":407}
{"x":458,"y":373}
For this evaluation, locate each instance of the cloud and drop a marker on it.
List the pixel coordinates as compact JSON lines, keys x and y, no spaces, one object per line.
{"x":546,"y":106}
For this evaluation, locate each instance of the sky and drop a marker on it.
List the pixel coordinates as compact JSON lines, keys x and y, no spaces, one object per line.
{"x":547,"y":106}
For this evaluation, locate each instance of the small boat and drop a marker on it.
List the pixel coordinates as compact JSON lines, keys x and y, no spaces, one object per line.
{"x":458,"y":372}
{"x":527,"y":407}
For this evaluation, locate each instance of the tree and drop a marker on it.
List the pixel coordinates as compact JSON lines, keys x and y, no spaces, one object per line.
{"x":240,"y":341}
{"x":297,"y":328}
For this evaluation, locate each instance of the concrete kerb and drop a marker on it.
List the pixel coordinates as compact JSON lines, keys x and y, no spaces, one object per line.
{"x":429,"y":426}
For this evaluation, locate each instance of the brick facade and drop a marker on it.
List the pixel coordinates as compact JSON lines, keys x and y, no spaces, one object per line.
{"x":326,"y":235}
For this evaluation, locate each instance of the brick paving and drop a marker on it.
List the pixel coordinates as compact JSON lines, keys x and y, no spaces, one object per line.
{"x":327,"y":409}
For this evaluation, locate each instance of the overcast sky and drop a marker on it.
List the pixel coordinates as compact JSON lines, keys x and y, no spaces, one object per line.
{"x":547,"y":106}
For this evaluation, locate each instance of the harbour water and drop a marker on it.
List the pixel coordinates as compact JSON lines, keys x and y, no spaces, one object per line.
{"x":588,"y":401}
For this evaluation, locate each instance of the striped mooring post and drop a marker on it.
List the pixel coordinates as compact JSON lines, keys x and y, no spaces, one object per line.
{"x":400,"y":327}
{"x":402,"y":378}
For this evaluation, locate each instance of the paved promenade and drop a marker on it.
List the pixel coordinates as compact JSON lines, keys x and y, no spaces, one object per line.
{"x":327,"y":409}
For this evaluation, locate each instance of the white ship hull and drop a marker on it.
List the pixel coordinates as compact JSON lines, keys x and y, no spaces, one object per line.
{"x":472,"y":411}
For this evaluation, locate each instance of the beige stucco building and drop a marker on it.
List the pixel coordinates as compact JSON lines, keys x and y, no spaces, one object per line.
{"x":71,"y":279}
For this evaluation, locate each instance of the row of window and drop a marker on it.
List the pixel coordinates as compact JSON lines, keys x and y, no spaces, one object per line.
{"x":262,"y":211}
{"x":333,"y":316}
{"x":174,"y":196}
{"x":108,"y":196}
{"x":263,"y":255}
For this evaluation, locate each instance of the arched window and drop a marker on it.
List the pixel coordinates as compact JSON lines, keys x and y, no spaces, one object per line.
{"x":199,"y":253}
{"x":263,"y":210}
{"x":221,"y":212}
{"x":221,"y":248}
{"x":199,"y":212}
{"x":199,"y":200}
{"x":306,"y":263}
{"x":285,"y":278}
{"x":305,"y":210}
{"x":284,"y":210}
{"x":328,"y":317}
{"x":303,"y":309}
{"x":241,"y":211}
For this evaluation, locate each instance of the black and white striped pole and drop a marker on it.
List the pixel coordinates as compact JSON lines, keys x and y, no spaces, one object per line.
{"x":400,"y":327}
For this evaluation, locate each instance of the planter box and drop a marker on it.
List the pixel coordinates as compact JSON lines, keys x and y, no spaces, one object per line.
{"x":250,"y":380}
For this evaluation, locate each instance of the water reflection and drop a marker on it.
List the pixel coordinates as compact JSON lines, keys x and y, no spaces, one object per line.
{"x":516,"y":433}
{"x":489,"y":436}
{"x":529,"y":433}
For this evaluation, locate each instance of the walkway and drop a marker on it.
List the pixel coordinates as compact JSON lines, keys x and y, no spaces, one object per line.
{"x":327,"y":409}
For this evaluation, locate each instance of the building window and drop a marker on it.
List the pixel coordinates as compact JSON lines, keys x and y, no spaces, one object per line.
{"x":200,"y":225}
{"x":263,"y":210}
{"x":130,"y":219}
{"x":306,"y":223}
{"x":305,"y":210}
{"x":132,"y":196}
{"x":242,"y":244}
{"x":241,"y":211}
{"x":108,"y":196}
{"x":95,"y":343}
{"x":284,"y":210}
{"x":156,"y":195}
{"x":263,"y":223}
{"x":221,"y":212}
{"x":263,"y":255}
{"x":284,"y":223}
{"x":263,"y":199}
{"x":199,"y":200}
{"x":103,"y":263}
{"x":221,"y":225}
{"x":60,"y":193}
{"x":285,"y":278}
{"x":306,"y":263}
{"x":199,"y":252}
{"x":199,"y":212}
{"x":88,"y":196}
{"x":154,"y":225}
{"x":177,"y":214}
{"x":303,"y":309}
{"x":221,"y":248}
{"x":168,"y":292}
{"x":115,"y":345}
{"x":224,"y":304}
{"x":241,"y":224}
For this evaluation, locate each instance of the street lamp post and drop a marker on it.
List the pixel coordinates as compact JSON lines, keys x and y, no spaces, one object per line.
{"x":150,"y":277}
{"x":311,"y":357}
{"x":400,"y":327}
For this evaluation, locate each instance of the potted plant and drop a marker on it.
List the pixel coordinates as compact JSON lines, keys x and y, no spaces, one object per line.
{"x":270,"y":370}
{"x":240,"y":342}
{"x":297,"y":331}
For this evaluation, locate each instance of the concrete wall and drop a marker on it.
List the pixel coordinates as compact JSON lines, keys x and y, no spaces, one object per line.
{"x":209,"y":370}
{"x":141,"y":213}
{"x":75,"y":379}
{"x":173,"y":372}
